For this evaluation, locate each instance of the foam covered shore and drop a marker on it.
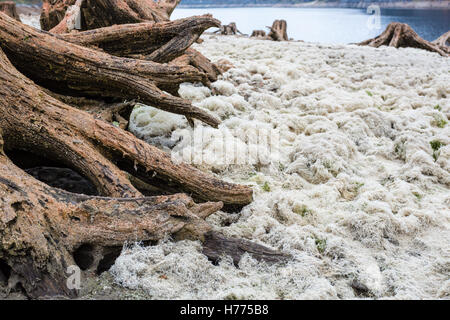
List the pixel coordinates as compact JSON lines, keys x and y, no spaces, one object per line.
{"x":353,"y":178}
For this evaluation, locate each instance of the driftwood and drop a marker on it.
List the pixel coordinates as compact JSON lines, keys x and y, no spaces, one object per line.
{"x":401,"y":35}
{"x":259,"y":34}
{"x":278,"y":31}
{"x":104,"y":13}
{"x":443,"y":42}
{"x":228,"y":29}
{"x":45,"y":59}
{"x":59,"y":94}
{"x":9,"y":8}
{"x":63,"y":16}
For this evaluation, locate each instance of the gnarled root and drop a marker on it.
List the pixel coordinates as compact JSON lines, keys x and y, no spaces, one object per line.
{"x":67,"y":68}
{"x":158,"y":42}
{"x":401,"y":35}
{"x":45,"y":230}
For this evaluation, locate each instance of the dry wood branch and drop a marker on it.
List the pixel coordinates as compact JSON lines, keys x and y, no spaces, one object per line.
{"x":401,"y":35}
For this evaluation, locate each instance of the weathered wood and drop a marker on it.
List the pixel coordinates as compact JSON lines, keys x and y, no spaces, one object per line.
{"x":228,"y":29}
{"x":259,"y":34}
{"x":278,"y":31}
{"x":104,"y":13}
{"x":158,"y":42}
{"x":67,"y":68}
{"x":9,"y":8}
{"x":443,"y":42}
{"x":216,"y":246}
{"x":43,"y":228}
{"x":401,"y":35}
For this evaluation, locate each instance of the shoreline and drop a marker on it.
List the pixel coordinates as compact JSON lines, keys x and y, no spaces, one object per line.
{"x":416,"y":5}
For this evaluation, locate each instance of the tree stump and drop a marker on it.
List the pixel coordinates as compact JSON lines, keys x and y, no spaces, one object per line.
{"x":401,"y":35}
{"x":9,"y":8}
{"x":228,"y":29}
{"x":259,"y":34}
{"x":278,"y":31}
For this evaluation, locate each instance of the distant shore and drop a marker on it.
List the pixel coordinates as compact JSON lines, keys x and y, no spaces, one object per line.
{"x":319,"y":4}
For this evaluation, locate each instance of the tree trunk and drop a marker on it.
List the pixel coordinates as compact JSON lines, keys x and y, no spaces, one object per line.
{"x":401,"y":35}
{"x":9,"y":8}
{"x":278,"y":31}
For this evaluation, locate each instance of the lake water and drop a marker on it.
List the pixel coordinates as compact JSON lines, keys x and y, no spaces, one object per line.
{"x":327,"y":25}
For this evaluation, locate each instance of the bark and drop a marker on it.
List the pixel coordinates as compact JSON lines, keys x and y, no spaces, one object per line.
{"x":67,"y":68}
{"x":278,"y":31}
{"x":443,"y":42}
{"x":215,"y":246}
{"x":158,"y":42}
{"x":44,"y":230}
{"x":229,"y":29}
{"x":104,"y":13}
{"x":401,"y":35}
{"x":259,"y":34}
{"x":9,"y":8}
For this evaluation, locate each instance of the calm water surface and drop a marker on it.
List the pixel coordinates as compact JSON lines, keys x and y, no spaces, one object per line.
{"x":327,"y":25}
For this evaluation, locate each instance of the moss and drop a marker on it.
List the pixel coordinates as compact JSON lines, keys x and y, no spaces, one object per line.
{"x":436,"y":145}
{"x":321,"y":245}
{"x":417,"y":195}
{"x":438,"y":107}
{"x":266,"y":187}
{"x":439,"y":121}
{"x":116,"y":124}
{"x":370,"y":94}
{"x":302,"y":210}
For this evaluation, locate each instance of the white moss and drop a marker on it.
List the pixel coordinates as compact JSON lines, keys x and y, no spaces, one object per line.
{"x":355,"y":190}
